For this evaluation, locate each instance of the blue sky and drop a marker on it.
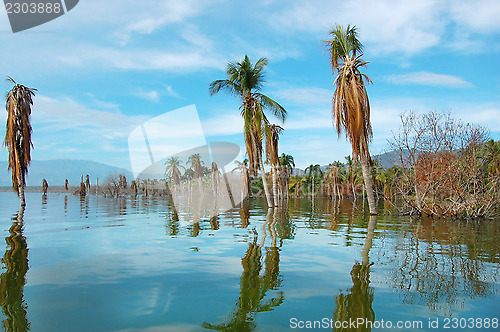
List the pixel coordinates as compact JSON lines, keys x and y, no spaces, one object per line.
{"x":108,"y":66}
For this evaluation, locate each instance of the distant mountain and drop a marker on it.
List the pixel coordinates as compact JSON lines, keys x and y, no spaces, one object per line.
{"x":388,"y":159}
{"x":56,"y":171}
{"x":392,"y":158}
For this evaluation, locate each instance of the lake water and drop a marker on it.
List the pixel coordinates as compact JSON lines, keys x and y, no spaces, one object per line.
{"x":128,"y":264}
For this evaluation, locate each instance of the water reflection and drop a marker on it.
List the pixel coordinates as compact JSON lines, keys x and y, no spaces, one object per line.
{"x":245,"y":213}
{"x":357,"y":302}
{"x":441,"y":263}
{"x":254,"y":287}
{"x":419,"y":266}
{"x":172,"y":225}
{"x":13,"y":280}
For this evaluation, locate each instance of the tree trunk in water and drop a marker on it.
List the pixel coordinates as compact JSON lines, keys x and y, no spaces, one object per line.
{"x":20,"y":189}
{"x":368,"y":241}
{"x":264,"y":183}
{"x":275,"y":184}
{"x":368,"y":185}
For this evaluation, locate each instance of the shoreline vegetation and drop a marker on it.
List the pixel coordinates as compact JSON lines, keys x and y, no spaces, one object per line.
{"x":444,"y":168}
{"x":462,"y":183}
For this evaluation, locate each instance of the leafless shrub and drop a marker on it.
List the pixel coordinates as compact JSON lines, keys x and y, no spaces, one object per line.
{"x":112,"y":185}
{"x":444,"y":173}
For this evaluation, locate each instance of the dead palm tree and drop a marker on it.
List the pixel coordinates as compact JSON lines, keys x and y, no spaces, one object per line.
{"x":334,"y":177}
{"x":45,"y":186}
{"x":351,"y":107}
{"x":215,"y":177}
{"x":18,"y":134}
{"x":196,"y":163}
{"x":244,"y":80}
{"x":272,"y":137}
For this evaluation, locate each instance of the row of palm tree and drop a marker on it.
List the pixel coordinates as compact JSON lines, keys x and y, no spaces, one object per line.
{"x":351,"y":108}
{"x":244,"y":79}
{"x":338,"y":180}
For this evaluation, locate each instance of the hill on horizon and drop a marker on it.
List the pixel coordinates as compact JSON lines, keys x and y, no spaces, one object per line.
{"x":57,"y":171}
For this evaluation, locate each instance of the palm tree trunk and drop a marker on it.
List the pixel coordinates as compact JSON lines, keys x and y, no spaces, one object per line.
{"x":368,"y":185}
{"x":264,"y":183}
{"x":20,"y":189}
{"x":313,"y":189}
{"x":275,"y":184}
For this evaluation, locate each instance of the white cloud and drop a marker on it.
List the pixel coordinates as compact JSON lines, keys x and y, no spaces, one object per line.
{"x":387,"y":26}
{"x":159,"y":15}
{"x":427,"y":78}
{"x":478,"y":15}
{"x":172,"y":61}
{"x":403,"y":27}
{"x":152,"y":95}
{"x":485,"y":115}
{"x":155,"y":95}
{"x":65,"y":113}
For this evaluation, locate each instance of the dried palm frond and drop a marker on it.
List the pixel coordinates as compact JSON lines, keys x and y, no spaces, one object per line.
{"x":272,"y":137}
{"x":351,"y":107}
{"x":18,"y":133}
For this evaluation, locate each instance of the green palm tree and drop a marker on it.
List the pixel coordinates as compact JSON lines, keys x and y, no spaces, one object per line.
{"x":351,"y":107}
{"x":287,"y":165}
{"x":287,"y":161}
{"x":244,"y":80}
{"x":18,"y":134}
{"x":172,"y":170}
{"x":491,"y":154}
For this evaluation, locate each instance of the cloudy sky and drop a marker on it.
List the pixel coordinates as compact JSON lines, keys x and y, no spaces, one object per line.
{"x":106,"y":67}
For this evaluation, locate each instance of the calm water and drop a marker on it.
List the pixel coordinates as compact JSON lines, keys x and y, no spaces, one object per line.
{"x":127,"y":264}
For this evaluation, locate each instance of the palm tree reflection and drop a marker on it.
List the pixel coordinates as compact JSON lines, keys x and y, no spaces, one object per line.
{"x":358,"y":301}
{"x":253,"y":286}
{"x":13,"y":280}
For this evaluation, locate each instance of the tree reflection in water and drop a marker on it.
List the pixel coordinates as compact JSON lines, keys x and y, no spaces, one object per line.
{"x":13,"y":280}
{"x":358,"y":300}
{"x":254,"y":287}
{"x":441,"y":263}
